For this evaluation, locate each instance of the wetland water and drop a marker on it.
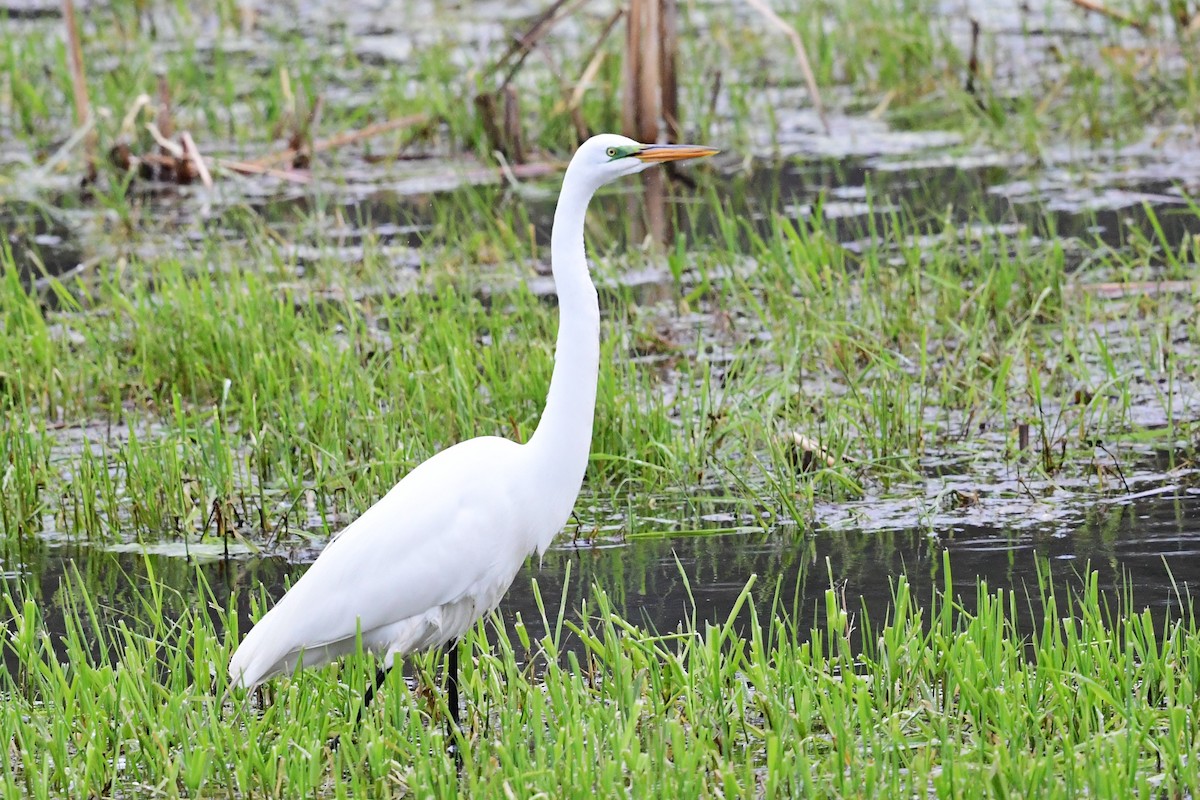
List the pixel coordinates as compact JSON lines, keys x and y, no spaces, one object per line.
{"x":1144,"y":540}
{"x":1146,"y":549}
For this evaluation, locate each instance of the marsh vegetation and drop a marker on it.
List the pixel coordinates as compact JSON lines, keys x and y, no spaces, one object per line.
{"x":932,"y":378}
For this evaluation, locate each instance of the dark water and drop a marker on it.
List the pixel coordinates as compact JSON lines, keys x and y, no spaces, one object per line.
{"x":1146,"y":552}
{"x":40,"y":243}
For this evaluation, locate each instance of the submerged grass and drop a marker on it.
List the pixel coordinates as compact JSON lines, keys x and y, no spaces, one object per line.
{"x":944,"y":697}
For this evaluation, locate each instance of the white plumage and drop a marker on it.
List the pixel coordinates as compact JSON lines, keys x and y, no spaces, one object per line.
{"x":414,"y":571}
{"x":442,"y":547}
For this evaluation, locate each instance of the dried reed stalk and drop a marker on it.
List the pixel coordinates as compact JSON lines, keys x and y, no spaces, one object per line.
{"x":668,"y":27}
{"x":801,"y":56}
{"x":512,"y":125}
{"x":1111,"y":13}
{"x":642,"y":103}
{"x":83,"y":108}
{"x":499,"y":110}
{"x":341,"y":140}
{"x":197,"y":161}
{"x":523,"y":46}
{"x":643,"y":62}
{"x":163,"y":116}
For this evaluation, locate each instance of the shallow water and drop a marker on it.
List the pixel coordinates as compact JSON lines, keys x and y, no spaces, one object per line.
{"x":1145,"y":551}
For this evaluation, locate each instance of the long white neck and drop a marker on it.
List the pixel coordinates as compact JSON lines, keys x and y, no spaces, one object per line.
{"x":563,"y":438}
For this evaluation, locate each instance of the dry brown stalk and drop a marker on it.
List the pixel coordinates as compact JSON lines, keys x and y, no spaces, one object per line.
{"x":801,"y":56}
{"x":668,"y":27}
{"x":83,"y":112}
{"x":594,"y":60}
{"x":167,"y":147}
{"x":166,"y":123}
{"x":485,"y":106}
{"x":1113,"y":290}
{"x":633,"y":48}
{"x":522,"y":47}
{"x":1111,"y":13}
{"x":301,"y":139}
{"x":973,"y":60}
{"x":250,"y":168}
{"x":512,"y":125}
{"x":651,"y":97}
{"x":640,"y":106}
{"x":501,"y":125}
{"x":193,"y":155}
{"x":341,"y":140}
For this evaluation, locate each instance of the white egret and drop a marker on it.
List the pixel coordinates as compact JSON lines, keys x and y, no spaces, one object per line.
{"x":439,"y":551}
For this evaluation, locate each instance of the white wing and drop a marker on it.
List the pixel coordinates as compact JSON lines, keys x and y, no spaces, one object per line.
{"x":439,"y":550}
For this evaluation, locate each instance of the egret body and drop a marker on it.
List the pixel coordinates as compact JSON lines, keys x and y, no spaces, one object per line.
{"x":442,"y":547}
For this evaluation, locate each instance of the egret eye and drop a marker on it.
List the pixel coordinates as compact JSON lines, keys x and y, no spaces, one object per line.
{"x":611,"y":152}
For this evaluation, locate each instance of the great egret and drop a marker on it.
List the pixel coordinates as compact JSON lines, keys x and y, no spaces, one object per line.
{"x":419,"y":567}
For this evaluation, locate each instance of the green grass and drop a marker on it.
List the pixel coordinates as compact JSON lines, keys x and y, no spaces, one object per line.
{"x":264,"y":377}
{"x":240,"y":377}
{"x":946,"y":696}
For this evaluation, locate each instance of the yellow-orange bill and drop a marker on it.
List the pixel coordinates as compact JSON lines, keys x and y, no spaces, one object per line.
{"x":655,"y":153}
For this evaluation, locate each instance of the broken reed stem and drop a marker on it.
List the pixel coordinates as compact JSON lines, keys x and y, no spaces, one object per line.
{"x":302,"y":138}
{"x":1111,"y":13}
{"x":973,"y":59}
{"x":512,"y":125}
{"x":341,"y":140}
{"x":502,"y":126}
{"x":83,"y":109}
{"x":648,"y":86}
{"x":642,"y":104}
{"x":633,"y":45}
{"x":193,"y":155}
{"x":594,"y":59}
{"x":166,"y":123}
{"x":801,"y":56}
{"x":523,"y":46}
{"x":250,"y":168}
{"x":485,"y":106}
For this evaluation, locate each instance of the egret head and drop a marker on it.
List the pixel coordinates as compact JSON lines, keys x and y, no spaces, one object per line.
{"x":607,"y":156}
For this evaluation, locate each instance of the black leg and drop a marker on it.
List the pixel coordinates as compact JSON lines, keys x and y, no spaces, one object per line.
{"x":452,"y":683}
{"x":453,"y":728}
{"x":368,"y":696}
